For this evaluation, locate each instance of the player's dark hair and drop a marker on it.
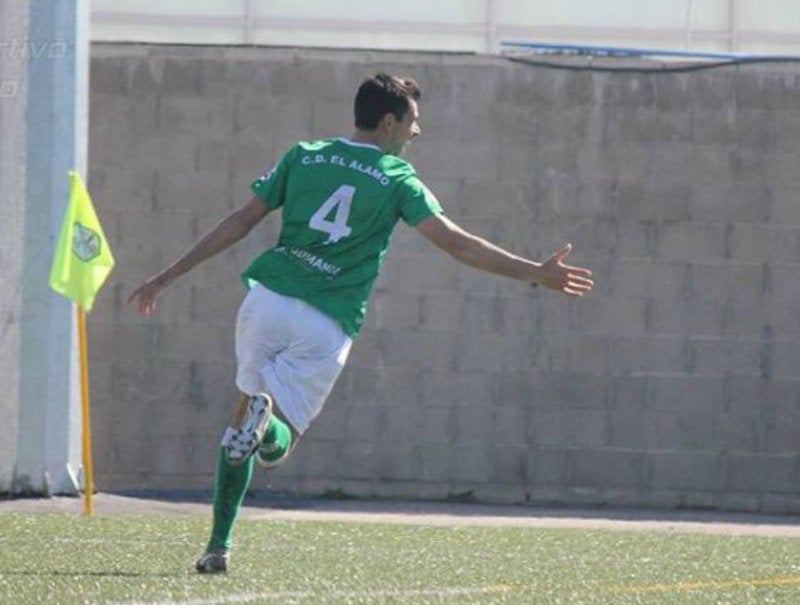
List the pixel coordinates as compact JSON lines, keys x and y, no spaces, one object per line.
{"x":382,"y":94}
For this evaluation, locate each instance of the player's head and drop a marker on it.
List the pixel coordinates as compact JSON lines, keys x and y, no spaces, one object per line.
{"x":387,"y":106}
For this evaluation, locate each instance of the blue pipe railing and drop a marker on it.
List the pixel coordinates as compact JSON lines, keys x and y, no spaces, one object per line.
{"x":612,"y":51}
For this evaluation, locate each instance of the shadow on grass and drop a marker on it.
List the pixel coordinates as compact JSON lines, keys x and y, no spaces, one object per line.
{"x":93,"y":574}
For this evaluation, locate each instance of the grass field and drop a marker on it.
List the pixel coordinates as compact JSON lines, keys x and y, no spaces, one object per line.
{"x":48,"y":558}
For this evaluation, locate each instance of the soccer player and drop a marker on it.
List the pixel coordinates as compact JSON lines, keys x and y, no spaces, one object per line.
{"x":307,"y":296}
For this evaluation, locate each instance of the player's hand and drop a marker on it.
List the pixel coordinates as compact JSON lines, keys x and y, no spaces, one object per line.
{"x":146,"y":295}
{"x":572,"y":281}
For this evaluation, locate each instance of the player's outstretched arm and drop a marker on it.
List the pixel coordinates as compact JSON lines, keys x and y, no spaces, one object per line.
{"x":482,"y":254}
{"x":229,"y":231}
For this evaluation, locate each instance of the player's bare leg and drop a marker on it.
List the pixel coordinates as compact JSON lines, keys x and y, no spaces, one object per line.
{"x":240,"y":410}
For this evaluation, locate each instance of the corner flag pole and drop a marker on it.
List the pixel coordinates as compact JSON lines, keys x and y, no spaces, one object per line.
{"x":83,"y":260}
{"x":88,"y":471}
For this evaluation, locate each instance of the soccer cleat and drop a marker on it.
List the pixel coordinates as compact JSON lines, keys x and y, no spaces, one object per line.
{"x":213,"y":561}
{"x":243,"y":442}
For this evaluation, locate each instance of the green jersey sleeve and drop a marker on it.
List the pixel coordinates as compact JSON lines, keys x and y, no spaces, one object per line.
{"x":417,"y":202}
{"x":271,"y":186}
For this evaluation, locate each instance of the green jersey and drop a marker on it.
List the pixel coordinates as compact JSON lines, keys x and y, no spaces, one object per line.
{"x":340,"y":201}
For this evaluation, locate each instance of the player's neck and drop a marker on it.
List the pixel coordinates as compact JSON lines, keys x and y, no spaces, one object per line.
{"x":368,"y":137}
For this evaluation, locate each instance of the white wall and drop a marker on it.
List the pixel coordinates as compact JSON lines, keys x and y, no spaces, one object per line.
{"x":43,"y":120}
{"x":746,"y":26}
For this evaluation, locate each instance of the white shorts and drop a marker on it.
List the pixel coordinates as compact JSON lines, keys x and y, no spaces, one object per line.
{"x":289,"y":350}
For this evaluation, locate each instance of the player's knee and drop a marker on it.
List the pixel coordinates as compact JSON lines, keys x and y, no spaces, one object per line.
{"x":276,"y":445}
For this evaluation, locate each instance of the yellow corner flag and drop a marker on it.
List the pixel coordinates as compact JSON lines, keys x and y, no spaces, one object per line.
{"x":83,"y":258}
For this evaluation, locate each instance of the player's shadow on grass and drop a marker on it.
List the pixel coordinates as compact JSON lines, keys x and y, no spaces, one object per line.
{"x":95,"y":574}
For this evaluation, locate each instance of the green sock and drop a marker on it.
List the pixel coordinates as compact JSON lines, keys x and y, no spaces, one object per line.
{"x":230,"y":487}
{"x":277,"y":441}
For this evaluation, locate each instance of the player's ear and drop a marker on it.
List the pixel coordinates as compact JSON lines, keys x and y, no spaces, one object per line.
{"x":387,"y":122}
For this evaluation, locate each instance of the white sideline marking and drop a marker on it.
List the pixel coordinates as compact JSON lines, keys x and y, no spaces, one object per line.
{"x":307,"y":594}
{"x":680,"y":587}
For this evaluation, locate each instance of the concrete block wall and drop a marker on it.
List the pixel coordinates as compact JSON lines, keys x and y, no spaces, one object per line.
{"x":674,"y":385}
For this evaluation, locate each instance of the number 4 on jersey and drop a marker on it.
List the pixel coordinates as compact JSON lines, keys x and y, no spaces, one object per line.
{"x":337,"y":228}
